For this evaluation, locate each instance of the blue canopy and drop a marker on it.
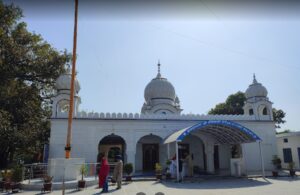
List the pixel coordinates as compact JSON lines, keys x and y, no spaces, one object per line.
{"x":223,"y":131}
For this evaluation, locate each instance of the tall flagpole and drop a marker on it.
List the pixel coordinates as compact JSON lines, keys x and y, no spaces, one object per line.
{"x":69,"y":133}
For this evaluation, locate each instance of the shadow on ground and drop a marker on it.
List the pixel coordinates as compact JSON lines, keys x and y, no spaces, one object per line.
{"x":287,"y":179}
{"x":216,"y":184}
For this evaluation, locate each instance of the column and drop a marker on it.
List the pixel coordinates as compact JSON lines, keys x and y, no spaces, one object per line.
{"x":209,"y":151}
{"x":131,"y":158}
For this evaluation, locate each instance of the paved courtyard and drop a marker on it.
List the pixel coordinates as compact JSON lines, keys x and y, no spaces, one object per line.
{"x":256,"y":186}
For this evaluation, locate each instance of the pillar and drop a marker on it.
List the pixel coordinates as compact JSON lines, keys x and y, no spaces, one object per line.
{"x":209,"y":151}
{"x":130,"y":151}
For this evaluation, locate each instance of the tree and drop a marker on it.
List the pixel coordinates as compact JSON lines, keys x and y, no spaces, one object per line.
{"x":29,"y":67}
{"x":278,"y":116}
{"x":234,"y":105}
{"x":285,"y":131}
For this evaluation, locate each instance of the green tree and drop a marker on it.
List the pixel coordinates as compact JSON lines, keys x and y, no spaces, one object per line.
{"x":278,"y":116}
{"x":234,"y":105}
{"x":285,"y":131}
{"x":29,"y":67}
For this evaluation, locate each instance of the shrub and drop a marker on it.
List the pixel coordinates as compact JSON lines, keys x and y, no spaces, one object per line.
{"x":128,"y":168}
{"x":17,"y":173}
{"x":158,"y":168}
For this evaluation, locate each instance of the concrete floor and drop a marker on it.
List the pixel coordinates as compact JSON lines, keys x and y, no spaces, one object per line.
{"x":242,"y":186}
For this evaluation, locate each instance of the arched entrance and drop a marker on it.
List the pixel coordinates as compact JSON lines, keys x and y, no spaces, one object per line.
{"x":111,"y":146}
{"x":149,"y":151}
{"x":194,"y":146}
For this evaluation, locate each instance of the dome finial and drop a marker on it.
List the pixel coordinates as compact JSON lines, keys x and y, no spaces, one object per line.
{"x":254,"y":79}
{"x":158,"y":70}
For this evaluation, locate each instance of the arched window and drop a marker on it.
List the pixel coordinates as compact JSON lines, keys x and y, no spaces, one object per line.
{"x":265,"y":111}
{"x":63,"y":106}
{"x":251,"y":111}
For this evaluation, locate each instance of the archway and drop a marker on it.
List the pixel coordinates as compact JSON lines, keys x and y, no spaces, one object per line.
{"x":149,"y":151}
{"x":111,"y":146}
{"x":193,"y":145}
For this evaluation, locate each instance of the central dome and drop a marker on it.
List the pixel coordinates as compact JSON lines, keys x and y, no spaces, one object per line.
{"x":160,"y":97}
{"x":159,"y":88}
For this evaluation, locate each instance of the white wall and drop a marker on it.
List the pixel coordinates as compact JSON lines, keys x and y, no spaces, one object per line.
{"x":294,"y":144}
{"x":87,"y":133}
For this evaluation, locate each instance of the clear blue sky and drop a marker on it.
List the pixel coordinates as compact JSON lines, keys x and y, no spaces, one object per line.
{"x":205,"y":56}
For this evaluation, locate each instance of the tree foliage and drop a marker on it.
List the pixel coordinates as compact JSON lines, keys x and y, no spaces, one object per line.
{"x":278,"y":116}
{"x":29,"y":67}
{"x":234,"y":105}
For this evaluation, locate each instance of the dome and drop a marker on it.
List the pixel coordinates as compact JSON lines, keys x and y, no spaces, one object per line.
{"x":159,"y":88}
{"x":256,"y":90}
{"x":63,"y":82}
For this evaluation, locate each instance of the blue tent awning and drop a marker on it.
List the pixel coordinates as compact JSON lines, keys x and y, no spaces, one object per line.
{"x":223,"y":131}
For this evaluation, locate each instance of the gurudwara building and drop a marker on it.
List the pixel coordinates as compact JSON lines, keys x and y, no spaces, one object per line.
{"x":216,"y":142}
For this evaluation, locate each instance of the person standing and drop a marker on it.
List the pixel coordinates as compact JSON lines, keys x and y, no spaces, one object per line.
{"x":173,"y":167}
{"x":184,"y":166}
{"x":189,"y":161}
{"x":118,"y":171}
{"x":103,"y":175}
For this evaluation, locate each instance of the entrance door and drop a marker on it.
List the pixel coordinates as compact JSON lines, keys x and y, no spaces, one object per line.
{"x":182,"y":149}
{"x":150,"y":156}
{"x":216,"y":157}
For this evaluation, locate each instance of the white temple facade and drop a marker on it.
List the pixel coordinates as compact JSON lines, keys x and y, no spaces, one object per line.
{"x":149,"y":137}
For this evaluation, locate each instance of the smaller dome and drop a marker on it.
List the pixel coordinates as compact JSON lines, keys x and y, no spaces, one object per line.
{"x":256,"y":90}
{"x":63,"y":82}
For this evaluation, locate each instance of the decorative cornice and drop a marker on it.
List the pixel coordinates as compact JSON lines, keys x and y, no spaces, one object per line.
{"x":96,"y":115}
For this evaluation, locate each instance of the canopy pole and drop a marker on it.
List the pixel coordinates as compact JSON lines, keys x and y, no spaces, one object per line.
{"x":177,"y":161}
{"x":168,"y":149}
{"x":262,"y":160}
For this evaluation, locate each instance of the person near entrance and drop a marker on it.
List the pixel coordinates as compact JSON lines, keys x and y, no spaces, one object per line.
{"x":103,"y":174}
{"x":188,"y":165}
{"x":118,"y":171}
{"x":173,"y":167}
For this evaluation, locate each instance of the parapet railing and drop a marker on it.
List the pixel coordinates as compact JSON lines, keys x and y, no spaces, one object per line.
{"x":96,"y":115}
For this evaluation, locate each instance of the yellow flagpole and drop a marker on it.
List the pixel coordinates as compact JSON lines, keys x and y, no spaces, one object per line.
{"x":71,"y":107}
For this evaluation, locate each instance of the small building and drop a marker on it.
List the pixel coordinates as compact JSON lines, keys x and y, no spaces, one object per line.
{"x":289,"y":148}
{"x":151,"y":136}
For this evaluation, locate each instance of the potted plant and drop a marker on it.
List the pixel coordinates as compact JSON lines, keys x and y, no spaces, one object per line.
{"x":47,"y":183}
{"x":158,"y":171}
{"x":277,"y":165}
{"x":128,"y":169}
{"x":83,"y":172}
{"x":291,"y":168}
{"x":17,"y":174}
{"x":168,"y":174}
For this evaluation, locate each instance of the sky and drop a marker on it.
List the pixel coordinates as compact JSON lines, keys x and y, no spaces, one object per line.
{"x":206,"y":50}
